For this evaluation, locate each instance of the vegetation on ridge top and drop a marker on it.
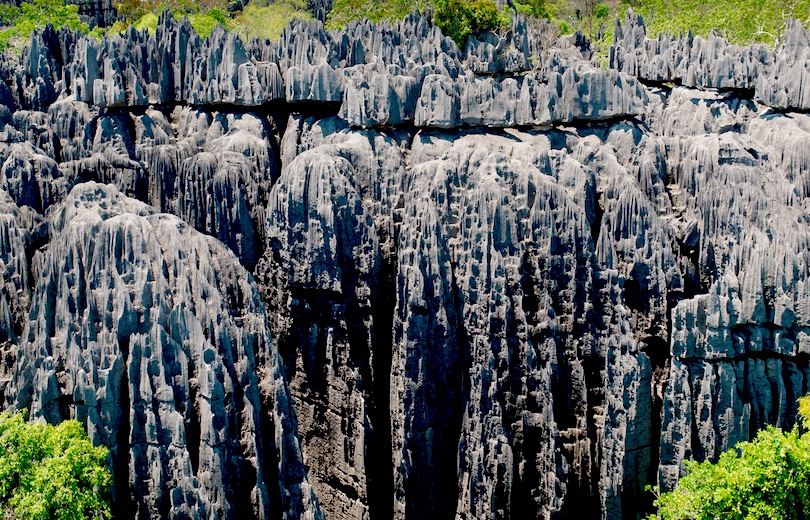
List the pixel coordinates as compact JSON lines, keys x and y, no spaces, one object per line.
{"x":748,"y":21}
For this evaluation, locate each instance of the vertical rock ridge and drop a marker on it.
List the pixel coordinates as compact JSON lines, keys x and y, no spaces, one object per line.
{"x":137,"y":279}
{"x":490,"y":280}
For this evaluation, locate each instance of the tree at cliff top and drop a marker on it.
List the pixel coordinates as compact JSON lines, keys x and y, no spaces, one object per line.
{"x":51,"y":472}
{"x":266,"y":19}
{"x":767,"y":478}
{"x":26,"y":18}
{"x":344,"y":11}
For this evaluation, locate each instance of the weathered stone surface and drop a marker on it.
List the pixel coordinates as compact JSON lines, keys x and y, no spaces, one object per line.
{"x":777,"y":77}
{"x":784,"y":83}
{"x":735,"y":355}
{"x":154,"y":337}
{"x":498,"y":280}
{"x":32,"y":178}
{"x":18,"y":226}
{"x":378,"y":98}
{"x":438,"y":103}
{"x":313,"y":83}
{"x":691,"y":60}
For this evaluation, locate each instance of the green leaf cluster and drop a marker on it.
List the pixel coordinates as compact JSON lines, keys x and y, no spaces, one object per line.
{"x":533,"y":8}
{"x":459,"y":19}
{"x":744,"y":22}
{"x":144,"y":14}
{"x":456,"y":18}
{"x":51,"y":472}
{"x":345,"y":11}
{"x":268,"y":20}
{"x":260,"y":18}
{"x":767,"y":478}
{"x":29,"y":16}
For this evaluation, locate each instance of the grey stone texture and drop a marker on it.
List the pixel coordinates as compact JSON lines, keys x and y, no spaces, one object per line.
{"x":367,"y":274}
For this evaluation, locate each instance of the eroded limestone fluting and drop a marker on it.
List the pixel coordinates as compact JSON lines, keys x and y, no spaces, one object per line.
{"x":154,"y":337}
{"x":370,"y":274}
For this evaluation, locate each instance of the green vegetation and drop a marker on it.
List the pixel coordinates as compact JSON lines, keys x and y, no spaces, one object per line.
{"x":51,"y":472}
{"x":22,"y":21}
{"x":460,"y":18}
{"x":344,"y":11}
{"x":456,"y":18}
{"x":535,"y":8}
{"x":745,"y":22}
{"x":262,"y":19}
{"x":143,"y":14}
{"x":767,"y":478}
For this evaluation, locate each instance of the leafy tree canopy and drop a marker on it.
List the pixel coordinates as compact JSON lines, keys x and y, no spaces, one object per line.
{"x":767,"y":478}
{"x":51,"y":472}
{"x":266,"y":19}
{"x":26,"y":18}
{"x":260,"y":18}
{"x":459,"y":19}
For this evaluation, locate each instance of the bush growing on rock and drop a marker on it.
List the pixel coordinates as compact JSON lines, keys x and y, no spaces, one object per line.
{"x":459,"y":19}
{"x":747,"y":21}
{"x":28,"y":17}
{"x":344,"y":11}
{"x":51,"y":472}
{"x":533,"y":8}
{"x":767,"y":478}
{"x":260,"y":18}
{"x":267,"y":19}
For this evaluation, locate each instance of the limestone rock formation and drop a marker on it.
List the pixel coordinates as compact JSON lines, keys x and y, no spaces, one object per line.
{"x":369,"y":274}
{"x":153,"y":336}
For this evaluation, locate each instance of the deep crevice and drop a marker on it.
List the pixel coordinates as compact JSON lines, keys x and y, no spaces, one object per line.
{"x":658,"y":352}
{"x":380,"y":466}
{"x":122,"y":506}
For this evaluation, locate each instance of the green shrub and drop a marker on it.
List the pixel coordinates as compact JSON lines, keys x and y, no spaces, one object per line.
{"x":747,"y":21}
{"x":459,"y":19}
{"x":767,"y":478}
{"x":267,"y":21}
{"x":135,"y":9}
{"x":344,"y":11}
{"x":535,"y":8}
{"x":204,"y":22}
{"x":8,"y":13}
{"x":51,"y":472}
{"x":37,"y":15}
{"x":147,"y":21}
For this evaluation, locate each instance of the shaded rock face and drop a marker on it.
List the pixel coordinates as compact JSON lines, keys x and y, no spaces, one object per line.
{"x":100,"y":13}
{"x":367,"y":274}
{"x":153,"y":336}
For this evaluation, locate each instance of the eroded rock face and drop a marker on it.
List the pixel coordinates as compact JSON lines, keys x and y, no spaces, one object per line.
{"x":18,"y":227}
{"x":152,"y":335}
{"x":365,"y":273}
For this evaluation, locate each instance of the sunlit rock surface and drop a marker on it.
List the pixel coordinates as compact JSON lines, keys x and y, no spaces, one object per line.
{"x":367,"y":274}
